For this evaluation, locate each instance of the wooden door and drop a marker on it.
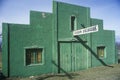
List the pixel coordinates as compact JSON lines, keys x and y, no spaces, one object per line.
{"x":65,"y":56}
{"x":80,"y":53}
{"x":72,"y":56}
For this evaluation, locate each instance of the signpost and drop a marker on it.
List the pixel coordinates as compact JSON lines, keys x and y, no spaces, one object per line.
{"x":86,"y":30}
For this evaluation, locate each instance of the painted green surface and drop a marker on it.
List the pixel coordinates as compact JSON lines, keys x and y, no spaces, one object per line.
{"x":103,"y":38}
{"x":62,"y":50}
{"x":63,"y":16}
{"x":73,"y":56}
{"x":5,"y":49}
{"x":23,"y":37}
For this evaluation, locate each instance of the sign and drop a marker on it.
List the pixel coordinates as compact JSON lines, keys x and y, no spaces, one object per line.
{"x":86,"y":30}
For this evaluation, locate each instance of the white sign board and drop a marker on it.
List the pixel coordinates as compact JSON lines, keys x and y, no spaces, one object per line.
{"x":86,"y":30}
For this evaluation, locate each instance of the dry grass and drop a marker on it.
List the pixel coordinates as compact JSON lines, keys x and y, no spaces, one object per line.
{"x":99,"y":73}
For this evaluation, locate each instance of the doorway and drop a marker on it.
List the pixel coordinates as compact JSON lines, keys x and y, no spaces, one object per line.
{"x":72,"y":56}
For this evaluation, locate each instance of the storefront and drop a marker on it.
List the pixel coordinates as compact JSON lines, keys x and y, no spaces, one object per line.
{"x":65,"y":40}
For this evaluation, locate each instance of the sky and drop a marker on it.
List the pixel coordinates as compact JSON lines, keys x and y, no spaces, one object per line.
{"x":18,"y":11}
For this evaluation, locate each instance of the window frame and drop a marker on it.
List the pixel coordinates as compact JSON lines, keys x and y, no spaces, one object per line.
{"x":33,"y":64}
{"x":104,"y":56}
{"x":73,"y":28}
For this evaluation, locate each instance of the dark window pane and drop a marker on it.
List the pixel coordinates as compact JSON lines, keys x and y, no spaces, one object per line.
{"x":33,"y":56}
{"x":73,"y":22}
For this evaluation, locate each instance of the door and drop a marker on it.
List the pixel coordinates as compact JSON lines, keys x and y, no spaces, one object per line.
{"x":72,"y":56}
{"x":80,"y":53}
{"x":65,"y":57}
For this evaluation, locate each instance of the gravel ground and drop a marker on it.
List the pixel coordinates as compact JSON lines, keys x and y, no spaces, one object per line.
{"x":99,"y":73}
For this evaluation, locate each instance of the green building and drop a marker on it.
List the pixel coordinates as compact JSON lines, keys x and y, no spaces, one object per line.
{"x":67,"y":39}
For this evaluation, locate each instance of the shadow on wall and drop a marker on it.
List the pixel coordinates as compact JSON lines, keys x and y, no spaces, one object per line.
{"x":118,"y":61}
{"x":0,"y":60}
{"x":119,"y":58}
{"x":92,"y":52}
{"x":2,"y":77}
{"x":66,"y":74}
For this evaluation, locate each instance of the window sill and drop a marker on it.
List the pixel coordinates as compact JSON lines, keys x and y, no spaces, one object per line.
{"x":102,"y":57}
{"x":35,"y":64}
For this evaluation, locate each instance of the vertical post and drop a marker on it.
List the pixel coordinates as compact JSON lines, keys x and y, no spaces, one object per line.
{"x":8,"y":51}
{"x":58,"y":57}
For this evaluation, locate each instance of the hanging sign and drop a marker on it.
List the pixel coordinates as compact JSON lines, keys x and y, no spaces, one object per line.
{"x":86,"y":30}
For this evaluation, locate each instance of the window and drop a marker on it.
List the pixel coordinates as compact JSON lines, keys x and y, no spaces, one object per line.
{"x":101,"y":51}
{"x":34,"y":56}
{"x":73,"y":23}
